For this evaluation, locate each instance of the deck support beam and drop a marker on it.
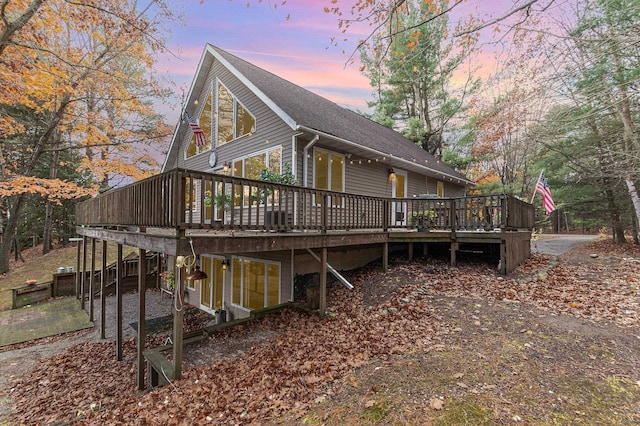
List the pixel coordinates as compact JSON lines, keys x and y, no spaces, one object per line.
{"x":454,"y":247}
{"x":119,"y":266}
{"x":178,"y":323}
{"x":92,"y":280}
{"x":410,"y":249}
{"x":385,"y":257}
{"x":78,"y":274}
{"x":83,"y":278}
{"x":323,"y":283}
{"x":332,"y":270}
{"x":103,"y":284}
{"x":142,"y":278}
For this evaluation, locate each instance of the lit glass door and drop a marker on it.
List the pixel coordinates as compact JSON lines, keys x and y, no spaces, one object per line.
{"x":399,"y":190}
{"x":211,"y":288}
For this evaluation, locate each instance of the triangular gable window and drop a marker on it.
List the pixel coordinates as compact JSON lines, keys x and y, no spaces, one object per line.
{"x":234,"y":120}
{"x":206,"y":124}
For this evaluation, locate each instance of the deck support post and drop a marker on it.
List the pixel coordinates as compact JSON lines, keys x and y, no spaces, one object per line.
{"x":103,"y":284}
{"x":142,"y":277}
{"x":323,"y":283}
{"x":78,"y":275}
{"x":92,"y":280}
{"x":425,"y":249}
{"x":178,"y":323}
{"x":83,"y":278}
{"x":385,"y":257}
{"x":454,"y":248}
{"x":410,"y":248}
{"x":503,"y":257}
{"x":119,"y":266}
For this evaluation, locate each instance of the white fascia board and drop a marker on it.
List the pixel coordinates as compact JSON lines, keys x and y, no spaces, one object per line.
{"x":264,"y":98}
{"x":384,"y":154}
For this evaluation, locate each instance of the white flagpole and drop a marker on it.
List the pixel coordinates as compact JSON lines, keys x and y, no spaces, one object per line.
{"x":534,"y":188}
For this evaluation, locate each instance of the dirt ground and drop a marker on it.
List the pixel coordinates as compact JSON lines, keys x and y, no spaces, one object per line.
{"x":507,"y":362}
{"x":557,"y":342}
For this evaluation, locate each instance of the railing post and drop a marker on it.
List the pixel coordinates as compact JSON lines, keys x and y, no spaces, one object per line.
{"x":504,"y":213}
{"x":452,"y":213}
{"x":325,"y":212}
{"x":385,"y":215}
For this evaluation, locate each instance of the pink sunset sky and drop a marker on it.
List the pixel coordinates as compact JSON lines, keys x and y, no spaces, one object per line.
{"x":298,"y":49}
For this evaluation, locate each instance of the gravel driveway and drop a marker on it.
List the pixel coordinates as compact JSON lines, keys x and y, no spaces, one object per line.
{"x":555,"y":245}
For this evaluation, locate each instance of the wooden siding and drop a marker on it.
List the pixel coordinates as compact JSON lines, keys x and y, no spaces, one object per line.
{"x":270,"y":130}
{"x":361,"y":177}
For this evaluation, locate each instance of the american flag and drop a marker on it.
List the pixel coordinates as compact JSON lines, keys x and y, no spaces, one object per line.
{"x":542,"y":188}
{"x":195,"y":128}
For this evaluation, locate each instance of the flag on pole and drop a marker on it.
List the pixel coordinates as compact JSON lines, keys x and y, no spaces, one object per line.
{"x":196,"y":129}
{"x":542,"y":188}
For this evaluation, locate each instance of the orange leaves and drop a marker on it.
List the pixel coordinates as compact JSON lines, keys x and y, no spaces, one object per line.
{"x":52,"y":189}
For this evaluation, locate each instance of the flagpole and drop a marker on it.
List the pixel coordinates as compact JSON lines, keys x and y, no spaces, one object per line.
{"x":534,"y":188}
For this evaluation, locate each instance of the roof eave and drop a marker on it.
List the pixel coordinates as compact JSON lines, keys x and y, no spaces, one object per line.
{"x":391,"y":156}
{"x":259,"y":93}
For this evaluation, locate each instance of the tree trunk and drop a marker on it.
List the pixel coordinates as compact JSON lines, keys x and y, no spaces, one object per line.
{"x":636,"y":231}
{"x":616,"y":226}
{"x":10,"y":233}
{"x":635,"y":199}
{"x":47,"y":243}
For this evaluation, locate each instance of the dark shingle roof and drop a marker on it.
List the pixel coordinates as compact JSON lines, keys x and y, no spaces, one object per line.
{"x":313,"y":111}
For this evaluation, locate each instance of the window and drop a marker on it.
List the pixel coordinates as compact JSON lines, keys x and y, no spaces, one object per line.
{"x":256,"y":283}
{"x":205,"y":122}
{"x":251,"y":167}
{"x":329,"y":173}
{"x":234,"y":120}
{"x":211,"y":287}
{"x":440,"y":189}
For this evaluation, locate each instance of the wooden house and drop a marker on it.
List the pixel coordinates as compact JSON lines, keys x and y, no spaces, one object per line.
{"x":354,"y":191}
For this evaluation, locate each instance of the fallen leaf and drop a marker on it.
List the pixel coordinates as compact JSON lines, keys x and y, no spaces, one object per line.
{"x":436,"y":403}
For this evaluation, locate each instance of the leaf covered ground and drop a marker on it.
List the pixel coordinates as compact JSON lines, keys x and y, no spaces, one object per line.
{"x":557,"y":342}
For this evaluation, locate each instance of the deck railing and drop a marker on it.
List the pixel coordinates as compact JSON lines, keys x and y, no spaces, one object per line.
{"x":184,"y":199}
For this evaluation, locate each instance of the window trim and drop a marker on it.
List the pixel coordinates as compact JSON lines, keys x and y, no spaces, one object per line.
{"x":200,"y":305}
{"x":394,"y":186}
{"x":344,"y":171}
{"x":255,"y":154}
{"x":266,"y":295}
{"x":212,"y":146}
{"x":236,"y":101}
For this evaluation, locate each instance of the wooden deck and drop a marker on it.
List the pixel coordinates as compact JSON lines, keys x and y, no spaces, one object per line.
{"x":182,"y":211}
{"x":227,"y":215}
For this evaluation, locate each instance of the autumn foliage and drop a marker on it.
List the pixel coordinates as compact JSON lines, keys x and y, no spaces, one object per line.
{"x":78,"y":83}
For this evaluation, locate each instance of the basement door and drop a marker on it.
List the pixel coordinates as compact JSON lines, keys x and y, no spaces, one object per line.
{"x":399,"y":190}
{"x":211,"y":289}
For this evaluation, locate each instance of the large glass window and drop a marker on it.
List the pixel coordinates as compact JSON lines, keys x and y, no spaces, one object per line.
{"x":440,"y":189}
{"x":211,"y":287}
{"x":206,"y":124}
{"x":251,"y":167}
{"x":256,"y":283}
{"x":329,"y":173}
{"x":234,"y":120}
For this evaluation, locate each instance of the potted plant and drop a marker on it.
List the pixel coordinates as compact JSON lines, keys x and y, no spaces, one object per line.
{"x":220,"y":315}
{"x":223,"y":202}
{"x":287,"y":178}
{"x":169,"y":279}
{"x":423,"y":220}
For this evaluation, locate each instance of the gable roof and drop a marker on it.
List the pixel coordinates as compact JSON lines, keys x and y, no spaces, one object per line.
{"x":306,"y":111}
